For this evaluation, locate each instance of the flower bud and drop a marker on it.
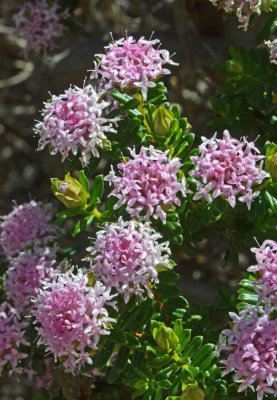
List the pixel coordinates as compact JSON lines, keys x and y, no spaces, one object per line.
{"x":193,"y":393}
{"x":162,"y":119}
{"x":166,"y":338}
{"x":271,"y":159}
{"x":69,"y":191}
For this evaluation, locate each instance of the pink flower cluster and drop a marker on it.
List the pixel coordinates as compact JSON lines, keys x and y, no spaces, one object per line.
{"x":127,"y":256}
{"x":228,"y":167}
{"x":148,"y":183}
{"x":266,"y":271}
{"x":11,"y":337}
{"x":26,"y":274}
{"x":130,"y":63}
{"x":39,"y":24}
{"x":28,"y":224}
{"x":72,"y":316}
{"x":252,"y":340}
{"x":243,"y":8}
{"x":74,"y":122}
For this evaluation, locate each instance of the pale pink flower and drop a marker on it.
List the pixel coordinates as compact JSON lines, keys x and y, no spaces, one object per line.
{"x":147,"y":183}
{"x":28,"y":224}
{"x":128,"y":256}
{"x":11,"y":337}
{"x":71,"y":317}
{"x":26,"y":274}
{"x":228,"y":167}
{"x":130,"y":63}
{"x":243,"y":9}
{"x":266,"y":271}
{"x":251,"y":343}
{"x":74,"y":122}
{"x":39,"y":24}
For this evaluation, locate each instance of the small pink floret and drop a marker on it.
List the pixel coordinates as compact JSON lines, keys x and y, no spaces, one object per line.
{"x":39,"y":24}
{"x":147,"y":184}
{"x":11,"y":337}
{"x":131,"y":63}
{"x":127,"y":256}
{"x":28,"y":224}
{"x":26,"y":274}
{"x":71,"y":318}
{"x":228,"y":167}
{"x":251,"y":343}
{"x":74,"y":122}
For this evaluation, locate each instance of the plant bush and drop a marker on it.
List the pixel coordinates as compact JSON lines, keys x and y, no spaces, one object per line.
{"x":136,"y":173}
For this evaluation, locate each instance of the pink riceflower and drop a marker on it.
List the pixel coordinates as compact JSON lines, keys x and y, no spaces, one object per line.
{"x":266,"y":271}
{"x":251,"y":345}
{"x":147,"y":184}
{"x":130,"y":63}
{"x":26,"y":275}
{"x":71,"y":317}
{"x":28,"y":224}
{"x":75,"y":122}
{"x":39,"y":24}
{"x":228,"y":167}
{"x":127,"y":255}
{"x":244,"y":9}
{"x":11,"y":337}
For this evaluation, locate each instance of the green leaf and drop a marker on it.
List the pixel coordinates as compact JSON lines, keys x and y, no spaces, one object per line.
{"x":97,"y":190}
{"x":159,"y":394}
{"x":202,"y":354}
{"x":60,"y":220}
{"x":165,"y":384}
{"x":117,"y":336}
{"x":113,"y":375}
{"x":121,"y":97}
{"x":159,"y":362}
{"x":178,"y":328}
{"x":83,"y":180}
{"x":193,"y":346}
{"x":208,"y":362}
{"x":82,"y":224}
{"x":271,"y":200}
{"x":132,"y":341}
{"x":185,"y":338}
{"x":102,"y":356}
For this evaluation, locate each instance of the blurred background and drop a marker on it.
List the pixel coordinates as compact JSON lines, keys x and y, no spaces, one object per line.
{"x":193,"y":29}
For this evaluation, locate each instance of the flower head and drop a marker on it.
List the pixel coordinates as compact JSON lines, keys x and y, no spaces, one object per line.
{"x":73,"y":122}
{"x":266,"y":269}
{"x":26,"y":274}
{"x":39,"y":24}
{"x":228,"y":167}
{"x":28,"y":224}
{"x":72,"y":316}
{"x":251,"y":343}
{"x":243,"y":9}
{"x":131,"y":63}
{"x":11,"y":337}
{"x":148,"y":183}
{"x":127,"y":256}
